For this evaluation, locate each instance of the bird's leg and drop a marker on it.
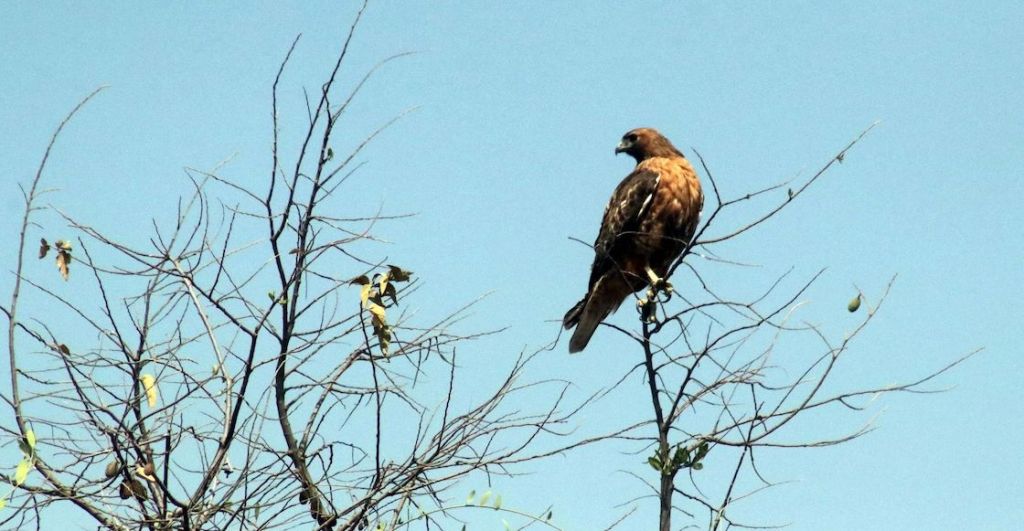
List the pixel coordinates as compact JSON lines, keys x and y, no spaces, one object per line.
{"x":647,"y":306}
{"x":657,"y":284}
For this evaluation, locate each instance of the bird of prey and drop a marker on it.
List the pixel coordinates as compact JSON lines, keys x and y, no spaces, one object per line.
{"x":647,"y":224}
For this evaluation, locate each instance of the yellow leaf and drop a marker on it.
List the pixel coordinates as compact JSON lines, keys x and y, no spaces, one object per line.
{"x":382,"y":283}
{"x":364,"y":294}
{"x":3,"y":502}
{"x":145,"y":472}
{"x":21,"y":474}
{"x":854,"y":304}
{"x":30,"y":436}
{"x":63,"y":245}
{"x":149,"y":384}
{"x":379,"y":317}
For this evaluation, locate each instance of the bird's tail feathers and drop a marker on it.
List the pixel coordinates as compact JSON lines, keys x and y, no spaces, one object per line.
{"x":573,"y":315}
{"x":587,"y":316}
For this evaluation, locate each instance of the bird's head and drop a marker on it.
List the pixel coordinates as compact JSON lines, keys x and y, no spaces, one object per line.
{"x":644,"y":143}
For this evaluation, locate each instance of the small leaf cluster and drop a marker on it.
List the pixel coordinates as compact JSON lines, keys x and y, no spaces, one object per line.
{"x":63,"y":248}
{"x":485,"y":498}
{"x":132,"y":487}
{"x":371,"y":296}
{"x":671,"y":461}
{"x":27,"y":445}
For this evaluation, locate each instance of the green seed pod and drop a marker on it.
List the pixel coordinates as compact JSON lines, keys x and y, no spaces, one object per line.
{"x":854,"y":304}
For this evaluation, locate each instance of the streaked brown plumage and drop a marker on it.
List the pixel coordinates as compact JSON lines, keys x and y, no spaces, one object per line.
{"x":648,"y":222}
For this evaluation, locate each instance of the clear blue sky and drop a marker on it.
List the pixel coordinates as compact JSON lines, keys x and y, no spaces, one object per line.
{"x":510,"y":153}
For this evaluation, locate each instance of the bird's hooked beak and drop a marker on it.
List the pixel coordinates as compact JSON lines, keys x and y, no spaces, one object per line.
{"x":622,"y":147}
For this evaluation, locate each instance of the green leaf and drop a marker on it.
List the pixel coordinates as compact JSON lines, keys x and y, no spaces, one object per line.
{"x":654,"y":462}
{"x":507,"y":526}
{"x":330,"y":154}
{"x":497,"y":502}
{"x":21,"y":474}
{"x":484,"y":497}
{"x":469,"y":499}
{"x":681,"y":457}
{"x":702,"y":450}
{"x":698,"y":466}
{"x":550,"y":514}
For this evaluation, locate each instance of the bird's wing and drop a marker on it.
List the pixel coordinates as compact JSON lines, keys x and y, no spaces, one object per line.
{"x":627,"y":207}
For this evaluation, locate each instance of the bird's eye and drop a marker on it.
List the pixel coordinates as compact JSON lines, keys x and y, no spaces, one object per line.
{"x":631,"y":138}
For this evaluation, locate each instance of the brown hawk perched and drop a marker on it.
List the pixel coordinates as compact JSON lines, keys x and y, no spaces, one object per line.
{"x":648,"y":222}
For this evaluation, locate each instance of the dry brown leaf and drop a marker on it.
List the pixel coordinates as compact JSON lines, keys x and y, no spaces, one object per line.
{"x":113,"y":467}
{"x":138,"y":489}
{"x":398,"y":274}
{"x":391,"y":292}
{"x":145,"y":472}
{"x":63,"y":263}
{"x":43,"y":248}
